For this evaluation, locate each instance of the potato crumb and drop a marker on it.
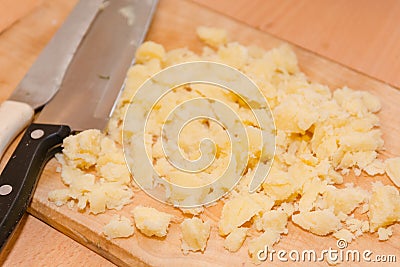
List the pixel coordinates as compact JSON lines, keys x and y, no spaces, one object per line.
{"x":235,"y":239}
{"x":118,"y":227}
{"x":82,"y":150}
{"x":192,"y":211}
{"x":320,"y":222}
{"x":344,"y":200}
{"x":149,"y":50}
{"x":107,"y":188}
{"x":384,"y":233}
{"x":276,"y":220}
{"x":375,"y":167}
{"x":321,"y":136}
{"x":236,"y":212}
{"x":150,"y":221}
{"x":211,"y":36}
{"x":384,"y":206}
{"x":358,"y":227}
{"x":344,"y":234}
{"x":59,"y":196}
{"x":195,"y":234}
{"x":267,"y":239}
{"x":392,"y":168}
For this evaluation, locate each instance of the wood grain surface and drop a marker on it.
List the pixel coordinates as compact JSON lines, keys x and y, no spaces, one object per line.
{"x":37,"y":244}
{"x":13,"y":10}
{"x":362,"y":34}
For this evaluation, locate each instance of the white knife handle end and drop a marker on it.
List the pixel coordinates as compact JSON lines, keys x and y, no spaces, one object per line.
{"x":14,"y":117}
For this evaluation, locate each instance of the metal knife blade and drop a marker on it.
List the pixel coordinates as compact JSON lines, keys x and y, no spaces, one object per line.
{"x":45,"y":76}
{"x":99,"y":67}
{"x":84,"y":101}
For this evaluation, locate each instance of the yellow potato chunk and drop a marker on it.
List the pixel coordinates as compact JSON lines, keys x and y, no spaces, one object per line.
{"x":392,"y":168}
{"x":150,"y":221}
{"x":276,"y":220}
{"x":82,"y":149}
{"x":149,"y":50}
{"x":236,"y":212}
{"x":267,"y":239}
{"x":344,"y":234}
{"x":384,"y":206}
{"x":119,"y":227}
{"x":319,"y":222}
{"x":343,"y":200}
{"x":384,"y":233}
{"x":195,"y":234}
{"x":211,"y":36}
{"x":235,"y":239}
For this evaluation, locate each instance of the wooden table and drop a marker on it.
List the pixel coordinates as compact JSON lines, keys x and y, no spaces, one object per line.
{"x":364,"y":35}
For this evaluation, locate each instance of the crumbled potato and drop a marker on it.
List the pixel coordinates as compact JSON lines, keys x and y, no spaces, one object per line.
{"x":384,"y":206}
{"x":119,"y":227}
{"x":320,"y":222}
{"x":384,"y":233}
{"x":276,"y":220}
{"x":267,"y":239}
{"x":344,"y":234}
{"x":59,"y":196}
{"x":192,"y":211}
{"x":375,"y":167}
{"x":82,"y":150}
{"x":358,"y":227}
{"x":149,"y":50}
{"x":343,"y":200}
{"x":150,"y":221}
{"x":236,"y":212}
{"x":321,"y":136}
{"x":213,"y":37}
{"x":108,"y":188}
{"x":235,"y":239}
{"x":108,"y":196}
{"x":392,"y":168}
{"x":195,"y":234}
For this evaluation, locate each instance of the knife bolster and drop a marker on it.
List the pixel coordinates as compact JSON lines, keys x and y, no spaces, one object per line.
{"x":14,"y":117}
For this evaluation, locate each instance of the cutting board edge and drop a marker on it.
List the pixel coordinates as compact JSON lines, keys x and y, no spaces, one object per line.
{"x":41,"y":211}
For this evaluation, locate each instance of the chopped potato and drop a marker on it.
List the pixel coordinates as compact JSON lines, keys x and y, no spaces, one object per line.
{"x":150,"y":221}
{"x":119,"y":227}
{"x":149,"y":50}
{"x":384,"y":206}
{"x":235,"y":239}
{"x":384,"y":233}
{"x":213,"y":37}
{"x":195,"y":234}
{"x":236,"y":212}
{"x":267,"y":239}
{"x":321,"y":136}
{"x":392,"y":168}
{"x":320,"y":222}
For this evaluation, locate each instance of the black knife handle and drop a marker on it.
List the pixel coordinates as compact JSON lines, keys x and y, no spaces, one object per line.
{"x":19,"y":177}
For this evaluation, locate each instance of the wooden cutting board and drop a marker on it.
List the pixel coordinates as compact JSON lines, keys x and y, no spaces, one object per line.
{"x":13,"y":10}
{"x":175,"y":27}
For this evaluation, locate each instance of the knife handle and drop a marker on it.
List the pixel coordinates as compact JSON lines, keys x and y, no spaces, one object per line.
{"x":19,"y":177}
{"x":14,"y":117}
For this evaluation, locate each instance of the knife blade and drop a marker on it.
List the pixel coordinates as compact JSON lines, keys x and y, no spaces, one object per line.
{"x":85,"y":100}
{"x":45,"y":76}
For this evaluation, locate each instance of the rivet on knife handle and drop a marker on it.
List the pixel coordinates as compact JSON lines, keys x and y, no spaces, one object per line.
{"x":19,"y":178}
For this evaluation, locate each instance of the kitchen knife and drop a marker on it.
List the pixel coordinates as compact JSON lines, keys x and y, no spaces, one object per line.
{"x":44,"y":77}
{"x":85,"y":100}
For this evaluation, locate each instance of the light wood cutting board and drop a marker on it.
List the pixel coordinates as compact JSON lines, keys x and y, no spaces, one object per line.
{"x":175,"y":27}
{"x":12,"y":10}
